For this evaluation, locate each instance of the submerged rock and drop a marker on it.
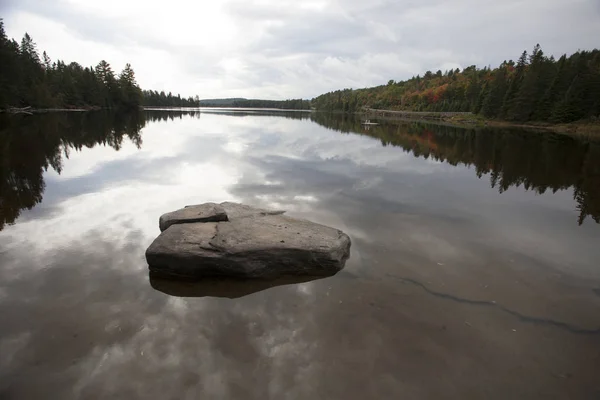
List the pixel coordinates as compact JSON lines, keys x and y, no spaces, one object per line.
{"x":244,"y":242}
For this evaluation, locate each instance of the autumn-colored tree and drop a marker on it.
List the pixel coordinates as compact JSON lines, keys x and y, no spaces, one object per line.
{"x":535,"y":88}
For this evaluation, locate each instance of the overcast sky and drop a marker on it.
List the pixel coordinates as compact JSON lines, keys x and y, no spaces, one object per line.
{"x":292,"y":48}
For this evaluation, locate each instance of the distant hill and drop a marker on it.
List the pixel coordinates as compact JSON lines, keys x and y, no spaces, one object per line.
{"x":162,"y":99}
{"x":293,"y":104}
{"x":220,"y":102}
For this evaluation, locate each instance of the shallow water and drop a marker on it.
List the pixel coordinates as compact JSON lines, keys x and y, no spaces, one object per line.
{"x":474,"y":269}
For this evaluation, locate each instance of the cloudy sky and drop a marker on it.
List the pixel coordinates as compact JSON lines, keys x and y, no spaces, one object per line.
{"x":296,"y":48}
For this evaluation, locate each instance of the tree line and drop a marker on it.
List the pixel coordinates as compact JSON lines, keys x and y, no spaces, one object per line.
{"x":152,"y":98}
{"x":534,"y":88}
{"x":28,"y":79}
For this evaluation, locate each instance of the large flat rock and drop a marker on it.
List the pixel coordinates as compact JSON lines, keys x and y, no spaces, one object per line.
{"x":252,"y":243}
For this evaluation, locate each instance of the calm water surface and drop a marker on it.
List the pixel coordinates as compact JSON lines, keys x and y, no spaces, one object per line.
{"x":474,"y":272}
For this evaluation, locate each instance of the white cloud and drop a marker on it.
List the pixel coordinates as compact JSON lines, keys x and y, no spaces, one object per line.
{"x":282,"y":49}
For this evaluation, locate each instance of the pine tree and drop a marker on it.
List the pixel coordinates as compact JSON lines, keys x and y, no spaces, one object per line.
{"x":132,"y":94}
{"x":555,"y":91}
{"x":481,"y":98}
{"x":536,"y":79}
{"x":492,"y":103}
{"x":29,"y":49}
{"x":593,"y":102}
{"x":576,"y":102}
{"x":8,"y":69}
{"x":472,"y":93}
{"x":110,"y":89}
{"x":510,"y":102}
{"x":47,"y":61}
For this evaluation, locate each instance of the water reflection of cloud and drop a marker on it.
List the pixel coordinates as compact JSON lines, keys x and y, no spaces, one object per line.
{"x":76,"y":297}
{"x":124,"y":325}
{"x":276,"y":162}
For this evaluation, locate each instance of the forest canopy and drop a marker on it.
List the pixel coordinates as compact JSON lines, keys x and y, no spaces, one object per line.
{"x":534,"y":88}
{"x":28,"y":79}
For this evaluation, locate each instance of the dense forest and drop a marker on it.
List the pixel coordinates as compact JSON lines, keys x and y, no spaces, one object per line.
{"x":26,"y":79}
{"x":152,"y":98}
{"x":535,"y":88}
{"x":509,"y":157}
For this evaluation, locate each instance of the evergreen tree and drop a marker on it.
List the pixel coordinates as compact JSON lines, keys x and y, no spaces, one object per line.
{"x":472,"y":93}
{"x":509,"y":106}
{"x":26,"y":79}
{"x":481,"y":98}
{"x":493,"y":101}
{"x":9,"y":71}
{"x":555,"y":91}
{"x":578,"y":101}
{"x":537,"y":78}
{"x":131,"y":92}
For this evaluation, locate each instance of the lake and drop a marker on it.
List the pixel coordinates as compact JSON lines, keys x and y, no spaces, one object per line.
{"x":474,"y":268}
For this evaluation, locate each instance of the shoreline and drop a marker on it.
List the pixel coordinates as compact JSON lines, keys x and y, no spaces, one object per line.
{"x":31,"y":111}
{"x":580,"y":129}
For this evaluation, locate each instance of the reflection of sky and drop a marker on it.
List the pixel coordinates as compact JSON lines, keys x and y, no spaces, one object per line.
{"x":75,"y":297}
{"x":197,"y":163}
